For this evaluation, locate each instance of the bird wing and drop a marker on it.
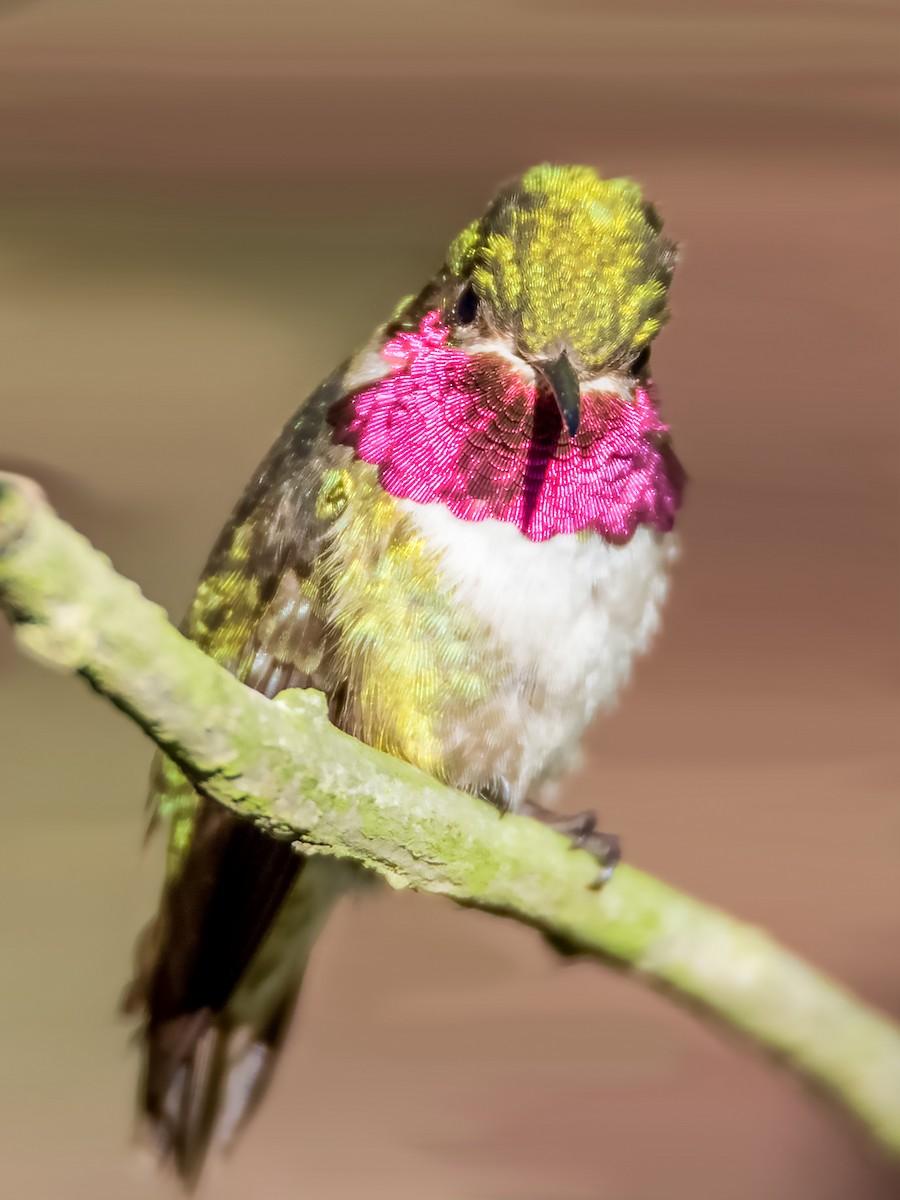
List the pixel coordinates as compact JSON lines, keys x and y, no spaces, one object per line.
{"x":259,"y":611}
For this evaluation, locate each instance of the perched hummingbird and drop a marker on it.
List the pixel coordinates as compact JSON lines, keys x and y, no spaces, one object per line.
{"x":463,"y":539}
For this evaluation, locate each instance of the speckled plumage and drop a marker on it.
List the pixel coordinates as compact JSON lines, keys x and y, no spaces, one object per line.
{"x":590,"y":248}
{"x":470,"y":647}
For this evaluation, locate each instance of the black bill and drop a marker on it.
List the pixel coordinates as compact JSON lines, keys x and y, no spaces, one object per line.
{"x":560,"y":374}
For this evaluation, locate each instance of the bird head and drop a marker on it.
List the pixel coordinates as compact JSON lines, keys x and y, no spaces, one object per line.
{"x":520,"y":372}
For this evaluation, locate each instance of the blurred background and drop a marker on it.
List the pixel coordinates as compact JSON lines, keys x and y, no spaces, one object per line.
{"x":203,"y":207}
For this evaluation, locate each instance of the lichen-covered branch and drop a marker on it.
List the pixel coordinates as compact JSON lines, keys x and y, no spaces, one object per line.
{"x":282,"y":765}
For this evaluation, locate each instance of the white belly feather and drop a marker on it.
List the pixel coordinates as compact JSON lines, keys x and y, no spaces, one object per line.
{"x":569,"y":614}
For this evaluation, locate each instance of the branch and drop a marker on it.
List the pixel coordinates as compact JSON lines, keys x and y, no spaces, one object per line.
{"x":282,"y":765}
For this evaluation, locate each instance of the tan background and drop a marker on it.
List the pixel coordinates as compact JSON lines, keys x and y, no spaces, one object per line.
{"x":203,"y":205}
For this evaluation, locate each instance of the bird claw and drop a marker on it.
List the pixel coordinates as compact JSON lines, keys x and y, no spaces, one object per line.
{"x":607,"y":849}
{"x":499,"y":794}
{"x":581,"y":830}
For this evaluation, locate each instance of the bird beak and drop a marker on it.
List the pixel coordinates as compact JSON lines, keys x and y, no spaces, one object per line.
{"x":560,"y":374}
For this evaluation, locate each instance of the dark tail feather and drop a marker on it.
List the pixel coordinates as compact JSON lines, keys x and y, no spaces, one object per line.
{"x":206,"y":1070}
{"x":203,"y":1079}
{"x":208,"y":1097}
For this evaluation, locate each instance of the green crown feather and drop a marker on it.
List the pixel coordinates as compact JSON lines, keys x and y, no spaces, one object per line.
{"x":563,"y":258}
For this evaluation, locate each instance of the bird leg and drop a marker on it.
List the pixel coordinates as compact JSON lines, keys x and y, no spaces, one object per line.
{"x":581,"y":830}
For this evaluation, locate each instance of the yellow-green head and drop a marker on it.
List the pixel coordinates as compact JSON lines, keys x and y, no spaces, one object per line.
{"x":564,"y":261}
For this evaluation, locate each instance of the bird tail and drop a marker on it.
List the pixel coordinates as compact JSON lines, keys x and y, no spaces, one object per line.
{"x":205,"y":1071}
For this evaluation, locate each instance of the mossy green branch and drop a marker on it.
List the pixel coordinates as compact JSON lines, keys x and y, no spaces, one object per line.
{"x":284,"y":766}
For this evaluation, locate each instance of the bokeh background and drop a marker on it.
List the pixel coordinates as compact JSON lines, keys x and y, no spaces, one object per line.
{"x":203,"y":207}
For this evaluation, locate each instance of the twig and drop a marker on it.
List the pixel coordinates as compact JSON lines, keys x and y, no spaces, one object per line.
{"x":284,"y":766}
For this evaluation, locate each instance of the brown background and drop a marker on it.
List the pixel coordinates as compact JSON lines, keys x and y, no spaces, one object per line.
{"x":203,"y":205}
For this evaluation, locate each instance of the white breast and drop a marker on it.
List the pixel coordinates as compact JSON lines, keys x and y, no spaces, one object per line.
{"x":570,"y":613}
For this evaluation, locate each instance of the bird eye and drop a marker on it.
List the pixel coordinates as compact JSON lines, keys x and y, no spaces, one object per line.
{"x":639,"y":365}
{"x":467,"y":305}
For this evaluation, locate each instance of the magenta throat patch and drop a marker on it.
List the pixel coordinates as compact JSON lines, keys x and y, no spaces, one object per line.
{"x":468,"y":432}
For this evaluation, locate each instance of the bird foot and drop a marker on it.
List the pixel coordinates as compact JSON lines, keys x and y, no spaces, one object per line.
{"x":581,"y":830}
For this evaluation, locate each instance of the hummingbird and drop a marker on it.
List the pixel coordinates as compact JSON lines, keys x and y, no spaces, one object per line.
{"x":463,"y":539}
